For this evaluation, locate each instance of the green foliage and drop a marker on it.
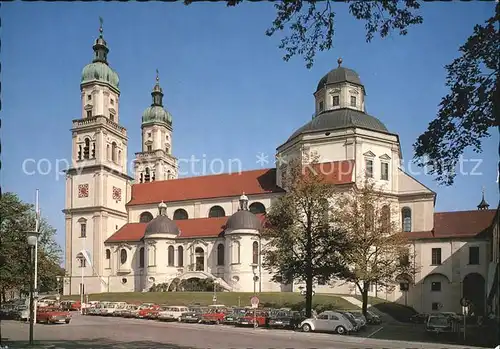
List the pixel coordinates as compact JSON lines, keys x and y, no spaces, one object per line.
{"x":17,"y":219}
{"x":301,"y":243}
{"x":471,"y":107}
{"x":188,"y":285}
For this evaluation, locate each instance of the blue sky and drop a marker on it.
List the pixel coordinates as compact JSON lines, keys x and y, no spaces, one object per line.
{"x":229,"y":91}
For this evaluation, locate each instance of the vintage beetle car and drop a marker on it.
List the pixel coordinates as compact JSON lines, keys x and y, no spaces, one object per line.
{"x":328,"y":321}
{"x":50,"y":315}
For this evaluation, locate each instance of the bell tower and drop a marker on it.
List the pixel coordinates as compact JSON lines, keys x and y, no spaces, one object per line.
{"x":155,"y":161}
{"x":97,"y":183}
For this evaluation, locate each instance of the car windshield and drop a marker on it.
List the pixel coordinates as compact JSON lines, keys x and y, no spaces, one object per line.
{"x":439,"y":321}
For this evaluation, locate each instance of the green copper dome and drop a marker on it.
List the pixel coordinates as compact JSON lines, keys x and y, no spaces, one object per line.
{"x":156,"y":112}
{"x":100,"y":72}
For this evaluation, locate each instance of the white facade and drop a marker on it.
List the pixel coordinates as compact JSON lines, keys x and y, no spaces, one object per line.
{"x":98,"y":189}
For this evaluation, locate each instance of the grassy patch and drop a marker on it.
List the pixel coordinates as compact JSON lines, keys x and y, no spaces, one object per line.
{"x":397,"y":311}
{"x":275,"y":299}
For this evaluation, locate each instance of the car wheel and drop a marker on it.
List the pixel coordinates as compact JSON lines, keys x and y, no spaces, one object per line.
{"x":217,"y":322}
{"x":340,"y":330}
{"x":306,"y":328}
{"x":67,"y":321}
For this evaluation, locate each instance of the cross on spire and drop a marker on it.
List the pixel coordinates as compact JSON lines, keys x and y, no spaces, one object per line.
{"x":101,"y":30}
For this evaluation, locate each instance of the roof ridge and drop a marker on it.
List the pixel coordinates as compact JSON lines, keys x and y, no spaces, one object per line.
{"x":463,"y":211}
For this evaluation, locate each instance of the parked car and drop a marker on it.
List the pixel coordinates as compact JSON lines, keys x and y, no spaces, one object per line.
{"x":373,"y":318}
{"x":257,"y":318}
{"x":355,"y":323}
{"x":214,"y":315}
{"x":359,"y":317}
{"x":145,"y":309}
{"x":193,"y":315}
{"x":419,"y":318}
{"x":284,"y":318}
{"x":439,"y":323}
{"x":50,"y":315}
{"x":328,"y":321}
{"x":129,"y":310}
{"x":112,"y":307}
{"x":172,"y":313}
{"x":233,"y":315}
{"x":71,"y":305}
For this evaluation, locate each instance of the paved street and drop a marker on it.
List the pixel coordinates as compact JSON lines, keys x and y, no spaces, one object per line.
{"x":99,"y":332}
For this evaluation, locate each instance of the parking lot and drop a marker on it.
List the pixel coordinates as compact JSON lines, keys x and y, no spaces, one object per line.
{"x":112,"y":332}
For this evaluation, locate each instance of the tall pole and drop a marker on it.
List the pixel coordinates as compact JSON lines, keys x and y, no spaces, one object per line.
{"x":37,"y":228}
{"x":83,"y":264}
{"x":32,"y":298}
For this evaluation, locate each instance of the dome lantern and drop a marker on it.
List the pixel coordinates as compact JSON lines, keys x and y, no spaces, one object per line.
{"x":483,"y":205}
{"x":100,"y":47}
{"x":156,"y":113}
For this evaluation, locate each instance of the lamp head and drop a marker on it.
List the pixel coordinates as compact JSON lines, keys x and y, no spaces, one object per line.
{"x":32,"y":237}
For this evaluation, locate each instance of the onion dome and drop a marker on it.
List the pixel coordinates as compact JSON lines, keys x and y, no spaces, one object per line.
{"x":156,"y":113}
{"x":99,"y":70}
{"x":243,"y":218}
{"x":161,"y":224}
{"x":338,"y":75}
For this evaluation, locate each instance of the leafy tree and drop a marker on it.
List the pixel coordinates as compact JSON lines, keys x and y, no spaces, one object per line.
{"x":470,"y":109}
{"x":378,"y":251}
{"x":301,"y":244}
{"x":17,"y":219}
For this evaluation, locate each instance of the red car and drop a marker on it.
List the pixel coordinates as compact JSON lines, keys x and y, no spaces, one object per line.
{"x":261,"y":319}
{"x":51,"y":315}
{"x":214,"y":316}
{"x":146,"y":309}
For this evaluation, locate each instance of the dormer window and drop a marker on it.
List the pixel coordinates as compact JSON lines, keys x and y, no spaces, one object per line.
{"x":353,"y":101}
{"x":321,"y":106}
{"x":335,"y":101}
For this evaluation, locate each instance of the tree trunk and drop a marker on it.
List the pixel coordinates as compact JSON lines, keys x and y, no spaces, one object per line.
{"x":309,"y":290}
{"x":364,"y":295}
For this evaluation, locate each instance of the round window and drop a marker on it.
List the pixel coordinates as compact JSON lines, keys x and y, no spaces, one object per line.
{"x":124,"y":280}
{"x":236,"y":278}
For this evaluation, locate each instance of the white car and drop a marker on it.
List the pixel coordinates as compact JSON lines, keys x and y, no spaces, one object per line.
{"x":172,"y":313}
{"x":328,"y":321}
{"x":111,"y":308}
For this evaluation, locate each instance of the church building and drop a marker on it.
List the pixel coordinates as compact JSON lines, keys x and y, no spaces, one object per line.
{"x":126,"y":234}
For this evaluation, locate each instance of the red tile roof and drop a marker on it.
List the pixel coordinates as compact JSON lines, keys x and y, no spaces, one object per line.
{"x":252,"y":182}
{"x":190,"y":228}
{"x":457,"y":224}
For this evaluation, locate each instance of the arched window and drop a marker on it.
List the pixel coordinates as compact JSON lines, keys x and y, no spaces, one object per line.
{"x":123,"y":256}
{"x":236,"y":248}
{"x":79,"y":152}
{"x":145,"y":217}
{"x":180,"y":256}
{"x":386,"y":218}
{"x":220,"y":254}
{"x":108,"y":152}
{"x":369,"y":217}
{"x":83,"y":227}
{"x":180,"y":214}
{"x":141,"y":257}
{"x":257,"y":208}
{"x":86,"y":149}
{"x":406,"y":219}
{"x":199,"y":259}
{"x":255,"y":252}
{"x":113,"y":151}
{"x":93,"y":150}
{"x":108,"y":258}
{"x":216,"y":211}
{"x":119,"y":156}
{"x":171,"y":258}
{"x":147,"y":175}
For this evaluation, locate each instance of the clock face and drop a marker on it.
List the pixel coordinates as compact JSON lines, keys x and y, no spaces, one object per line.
{"x":117,"y":194}
{"x":83,"y":190}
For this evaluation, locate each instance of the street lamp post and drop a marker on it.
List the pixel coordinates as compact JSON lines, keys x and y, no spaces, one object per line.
{"x":32,"y":237}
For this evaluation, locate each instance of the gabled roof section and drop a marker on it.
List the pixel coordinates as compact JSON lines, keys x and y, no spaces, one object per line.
{"x":385,"y":157}
{"x":206,"y":187}
{"x":459,"y":224}
{"x":409,"y":185}
{"x":189,"y":229}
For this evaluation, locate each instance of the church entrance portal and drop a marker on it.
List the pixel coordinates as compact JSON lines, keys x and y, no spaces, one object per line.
{"x":474,"y":291}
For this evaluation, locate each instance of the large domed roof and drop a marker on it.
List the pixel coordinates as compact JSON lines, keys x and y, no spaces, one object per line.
{"x":98,"y":71}
{"x":338,"y":75}
{"x":341,"y":118}
{"x":161,"y":224}
{"x":156,"y":113}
